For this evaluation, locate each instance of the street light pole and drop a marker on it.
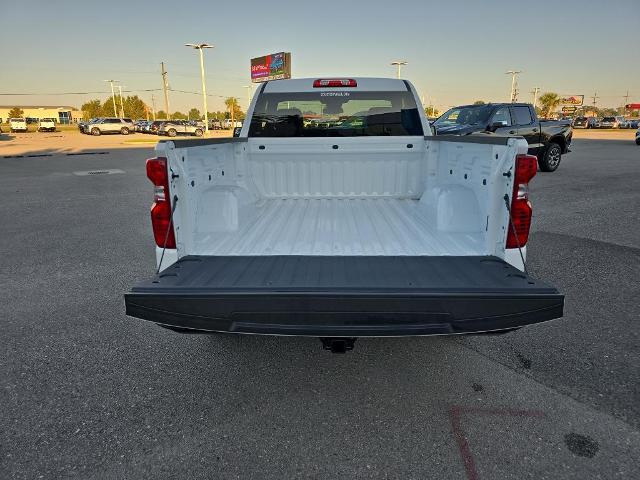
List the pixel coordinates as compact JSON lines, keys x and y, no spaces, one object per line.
{"x":113,"y":97}
{"x":399,"y":64}
{"x":153,"y":106}
{"x":121,"y":102}
{"x":535,"y":96}
{"x":248,"y":87}
{"x":200,"y":47}
{"x":514,"y":84}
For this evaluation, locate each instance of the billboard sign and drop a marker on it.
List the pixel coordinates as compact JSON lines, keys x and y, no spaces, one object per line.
{"x":632,"y":106}
{"x":569,"y":109}
{"x":572,"y":100}
{"x":276,"y":66}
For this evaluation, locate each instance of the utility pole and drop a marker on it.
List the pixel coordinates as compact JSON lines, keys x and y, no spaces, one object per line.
{"x":514,"y":84}
{"x":153,"y":107}
{"x":248,"y":87}
{"x":165,"y":87}
{"x":113,"y":97}
{"x":535,"y":96}
{"x":232,"y":108}
{"x":595,"y":98}
{"x":121,"y":102}
{"x":200,"y":47}
{"x":399,"y":64}
{"x":626,"y":101}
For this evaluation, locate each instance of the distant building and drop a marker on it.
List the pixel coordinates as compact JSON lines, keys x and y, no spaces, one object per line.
{"x":63,"y":115}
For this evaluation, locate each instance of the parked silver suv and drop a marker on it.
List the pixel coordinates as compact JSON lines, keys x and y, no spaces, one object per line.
{"x":181,"y":127}
{"x":111,"y":125}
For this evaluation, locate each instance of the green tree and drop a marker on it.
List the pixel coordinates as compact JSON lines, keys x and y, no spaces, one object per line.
{"x":16,"y":112}
{"x":135,"y":108}
{"x":608,"y":112}
{"x":217,"y":115}
{"x":431,"y":111}
{"x":178,"y":116}
{"x":161,"y":115}
{"x":107,"y":107}
{"x":194,"y":114}
{"x":91,"y":109}
{"x":549,"y":101}
{"x":235,"y":112}
{"x":479,"y":102}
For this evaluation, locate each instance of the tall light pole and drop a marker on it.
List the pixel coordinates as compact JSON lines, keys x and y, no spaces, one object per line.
{"x":248,"y":87}
{"x":153,"y":107}
{"x":514,"y":84}
{"x":113,"y":97}
{"x":200,"y":47}
{"x":535,"y":92}
{"x":399,"y":64}
{"x":121,"y":101}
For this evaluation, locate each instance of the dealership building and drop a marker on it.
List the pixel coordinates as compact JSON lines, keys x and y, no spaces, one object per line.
{"x":63,"y":115}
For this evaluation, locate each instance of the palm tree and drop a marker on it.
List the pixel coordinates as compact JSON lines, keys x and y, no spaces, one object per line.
{"x":548,"y":102}
{"x":231,"y":103}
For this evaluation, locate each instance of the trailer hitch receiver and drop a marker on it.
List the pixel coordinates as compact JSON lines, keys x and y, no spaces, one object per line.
{"x":338,"y":344}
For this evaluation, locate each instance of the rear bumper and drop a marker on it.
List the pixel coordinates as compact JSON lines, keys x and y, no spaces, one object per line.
{"x":344,"y":296}
{"x":346,"y":315}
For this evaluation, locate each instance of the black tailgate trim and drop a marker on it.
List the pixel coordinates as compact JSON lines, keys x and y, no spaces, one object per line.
{"x":344,"y":296}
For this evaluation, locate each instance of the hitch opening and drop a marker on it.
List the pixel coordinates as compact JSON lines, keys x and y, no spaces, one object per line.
{"x":338,"y":344}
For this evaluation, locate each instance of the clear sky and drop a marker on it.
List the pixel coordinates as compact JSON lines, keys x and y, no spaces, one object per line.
{"x":457,"y":50}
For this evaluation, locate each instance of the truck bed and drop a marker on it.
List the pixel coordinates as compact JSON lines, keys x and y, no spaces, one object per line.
{"x":344,"y":296}
{"x":334,"y":226}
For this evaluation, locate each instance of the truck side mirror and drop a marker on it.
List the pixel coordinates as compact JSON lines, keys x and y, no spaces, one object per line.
{"x":236,"y":131}
{"x":496,"y":125}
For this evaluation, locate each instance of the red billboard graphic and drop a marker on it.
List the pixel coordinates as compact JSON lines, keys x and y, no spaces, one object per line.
{"x":572,"y":100}
{"x":632,"y":106}
{"x":271,"y":67}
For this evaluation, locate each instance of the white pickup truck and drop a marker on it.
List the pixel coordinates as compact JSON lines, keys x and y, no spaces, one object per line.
{"x":336,"y":214}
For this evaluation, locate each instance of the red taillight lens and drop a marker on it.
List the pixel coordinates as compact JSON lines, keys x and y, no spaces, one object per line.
{"x":526,"y":168}
{"x":334,"y":82}
{"x":521,"y":212}
{"x":161,"y":208}
{"x":157,"y":171}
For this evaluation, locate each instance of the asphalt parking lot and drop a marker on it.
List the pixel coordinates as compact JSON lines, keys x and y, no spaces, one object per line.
{"x":88,"y":393}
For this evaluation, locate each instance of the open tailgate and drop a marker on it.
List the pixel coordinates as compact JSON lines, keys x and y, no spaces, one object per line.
{"x":344,"y":296}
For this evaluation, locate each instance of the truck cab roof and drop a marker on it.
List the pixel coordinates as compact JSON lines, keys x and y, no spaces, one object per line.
{"x":362,"y":84}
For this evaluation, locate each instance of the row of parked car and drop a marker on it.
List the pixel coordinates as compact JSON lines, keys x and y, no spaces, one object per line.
{"x":606,"y":122}
{"x":126,"y":126}
{"x":170,"y":128}
{"x":22,"y":125}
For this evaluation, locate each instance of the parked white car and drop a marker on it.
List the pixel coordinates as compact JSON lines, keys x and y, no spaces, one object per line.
{"x":46,"y":125}
{"x":103,"y":126}
{"x":368,"y":226}
{"x":18,"y":125}
{"x":614,"y":122}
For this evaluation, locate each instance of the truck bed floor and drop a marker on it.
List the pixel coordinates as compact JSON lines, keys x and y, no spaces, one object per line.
{"x":340,"y":227}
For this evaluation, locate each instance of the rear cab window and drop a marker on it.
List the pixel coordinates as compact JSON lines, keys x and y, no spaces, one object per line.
{"x":336,"y":113}
{"x":522,"y":115}
{"x":503,"y":116}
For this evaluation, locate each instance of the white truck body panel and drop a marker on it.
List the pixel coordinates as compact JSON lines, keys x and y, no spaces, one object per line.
{"x":370,"y":196}
{"x":336,"y":218}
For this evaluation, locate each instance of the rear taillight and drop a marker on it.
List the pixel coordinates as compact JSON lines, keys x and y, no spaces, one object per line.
{"x":161,"y":209}
{"x":526,"y":168}
{"x":334,"y":82}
